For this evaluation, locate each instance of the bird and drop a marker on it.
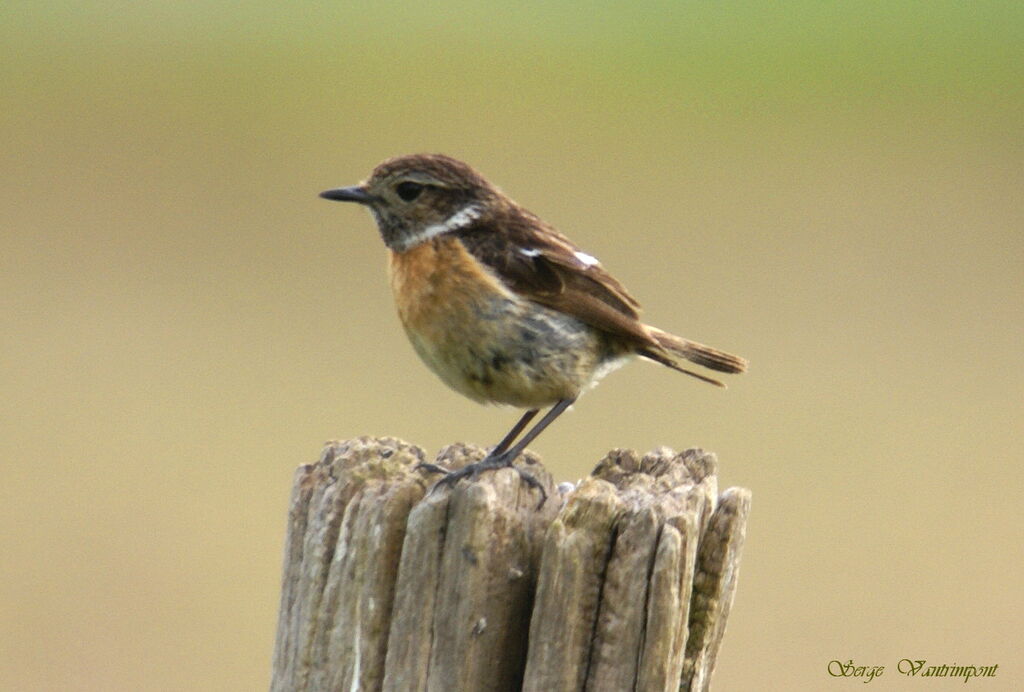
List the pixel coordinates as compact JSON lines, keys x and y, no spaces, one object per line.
{"x":500,"y":305}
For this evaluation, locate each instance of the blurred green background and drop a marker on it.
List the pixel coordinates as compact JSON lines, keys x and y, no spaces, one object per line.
{"x":835,"y":191}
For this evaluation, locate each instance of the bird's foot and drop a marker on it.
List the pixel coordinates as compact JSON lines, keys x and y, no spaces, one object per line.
{"x":490,"y":463}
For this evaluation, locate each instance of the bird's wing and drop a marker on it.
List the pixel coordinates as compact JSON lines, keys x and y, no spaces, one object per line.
{"x":540,"y":264}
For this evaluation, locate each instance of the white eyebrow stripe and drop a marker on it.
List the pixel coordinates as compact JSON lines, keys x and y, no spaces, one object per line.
{"x":587,"y":260}
{"x":460,"y":219}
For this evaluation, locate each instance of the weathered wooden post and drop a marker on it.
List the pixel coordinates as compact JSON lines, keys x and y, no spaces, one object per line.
{"x":623,"y":582}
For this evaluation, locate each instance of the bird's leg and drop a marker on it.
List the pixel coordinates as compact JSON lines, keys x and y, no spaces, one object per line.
{"x":514,"y":432}
{"x":508,"y":457}
{"x":502,"y":458}
{"x":498,"y":449}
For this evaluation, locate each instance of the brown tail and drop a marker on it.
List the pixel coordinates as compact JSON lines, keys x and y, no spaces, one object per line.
{"x":698,"y":353}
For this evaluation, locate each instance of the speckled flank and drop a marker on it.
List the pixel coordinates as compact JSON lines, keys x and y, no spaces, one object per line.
{"x":520,"y":354}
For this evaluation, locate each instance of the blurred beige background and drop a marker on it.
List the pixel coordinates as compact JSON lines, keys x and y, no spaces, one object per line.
{"x":835,"y":193}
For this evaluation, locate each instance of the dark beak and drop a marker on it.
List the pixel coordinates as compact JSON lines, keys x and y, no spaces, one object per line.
{"x":348,"y":194}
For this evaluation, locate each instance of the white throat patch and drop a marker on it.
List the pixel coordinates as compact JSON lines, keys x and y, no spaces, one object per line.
{"x":460,"y":219}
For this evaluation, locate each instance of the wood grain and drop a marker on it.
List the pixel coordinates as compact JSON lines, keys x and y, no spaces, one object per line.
{"x":623,"y":581}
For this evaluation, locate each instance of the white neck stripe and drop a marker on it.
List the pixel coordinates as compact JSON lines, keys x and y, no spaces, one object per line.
{"x":460,"y":219}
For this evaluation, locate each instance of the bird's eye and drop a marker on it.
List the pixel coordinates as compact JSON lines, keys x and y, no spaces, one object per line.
{"x":408,"y":191}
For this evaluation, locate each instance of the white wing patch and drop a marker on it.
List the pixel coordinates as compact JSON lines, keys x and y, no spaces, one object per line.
{"x":529,"y":252}
{"x":587,"y":260}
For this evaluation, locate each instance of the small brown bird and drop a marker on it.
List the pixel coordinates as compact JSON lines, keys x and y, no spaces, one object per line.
{"x":500,"y":305}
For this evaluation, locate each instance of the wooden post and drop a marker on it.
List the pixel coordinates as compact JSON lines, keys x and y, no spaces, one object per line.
{"x":622,"y":582}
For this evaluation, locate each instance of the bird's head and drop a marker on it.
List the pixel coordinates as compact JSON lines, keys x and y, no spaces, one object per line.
{"x":419,"y":196}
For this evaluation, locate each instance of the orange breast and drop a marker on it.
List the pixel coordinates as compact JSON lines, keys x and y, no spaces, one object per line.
{"x":438,"y":287}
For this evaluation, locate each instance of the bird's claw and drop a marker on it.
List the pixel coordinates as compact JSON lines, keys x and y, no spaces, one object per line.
{"x":489,"y":463}
{"x":431,"y":468}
